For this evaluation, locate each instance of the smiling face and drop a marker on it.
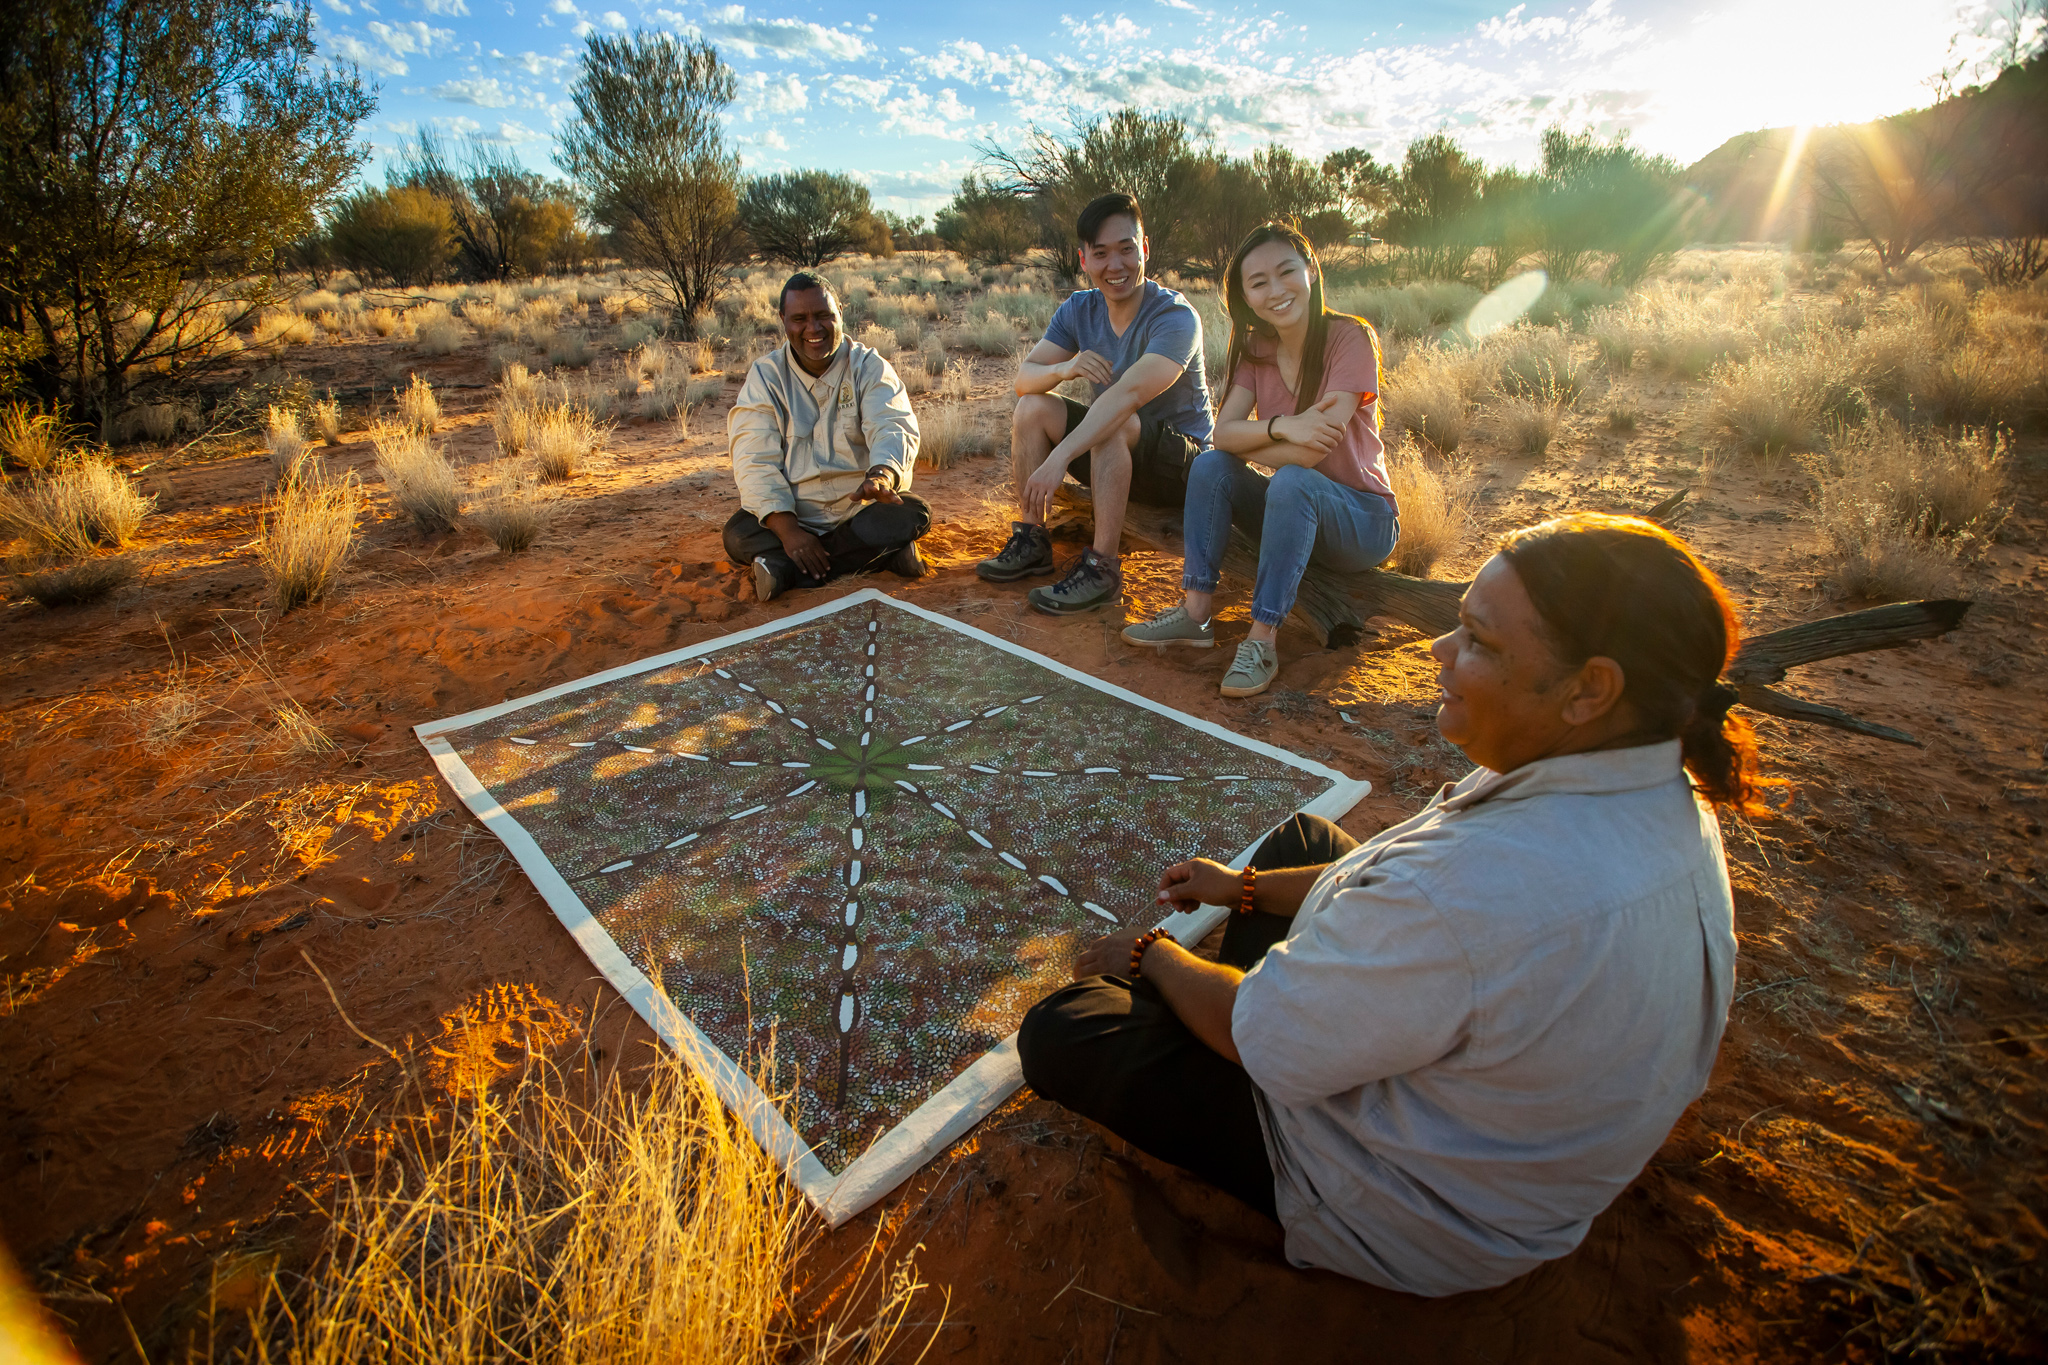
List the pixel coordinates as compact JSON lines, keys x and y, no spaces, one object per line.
{"x":1276,"y":284}
{"x":1505,"y":694}
{"x":810,"y":319}
{"x":1115,"y":261}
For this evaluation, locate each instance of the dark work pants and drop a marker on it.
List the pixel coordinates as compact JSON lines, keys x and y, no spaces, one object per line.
{"x":863,"y":541}
{"x":1111,"y":1049}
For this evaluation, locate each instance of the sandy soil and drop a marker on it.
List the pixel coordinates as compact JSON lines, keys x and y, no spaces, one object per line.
{"x":1863,"y":1178}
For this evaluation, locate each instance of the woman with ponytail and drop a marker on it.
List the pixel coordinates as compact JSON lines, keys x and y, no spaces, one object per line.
{"x":1435,"y":1057}
{"x":1304,"y":401}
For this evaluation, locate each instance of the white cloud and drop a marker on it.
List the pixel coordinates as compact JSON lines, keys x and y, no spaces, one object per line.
{"x":508,"y":131}
{"x":453,"y":9}
{"x":1101,"y":32}
{"x":783,"y":37}
{"x":483,"y":91}
{"x":563,"y":6}
{"x":534,"y":64}
{"x":413,"y":38}
{"x":350,"y":48}
{"x":338,"y":6}
{"x":762,"y":94}
{"x":614,"y":20}
{"x":854,"y":90}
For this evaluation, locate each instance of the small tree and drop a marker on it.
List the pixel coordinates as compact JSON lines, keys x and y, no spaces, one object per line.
{"x":504,"y":218}
{"x":157,"y":158}
{"x":648,"y":150}
{"x":985,"y":224}
{"x":1433,"y":213}
{"x":806,"y":218}
{"x":1365,"y":186}
{"x":1593,"y":197}
{"x":1298,"y":189}
{"x":404,"y":234}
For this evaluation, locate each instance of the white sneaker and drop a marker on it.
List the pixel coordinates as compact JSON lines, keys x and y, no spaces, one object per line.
{"x":1253,"y":670}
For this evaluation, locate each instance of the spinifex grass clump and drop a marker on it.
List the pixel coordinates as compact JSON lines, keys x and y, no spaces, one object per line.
{"x":31,"y":440}
{"x":82,"y":503}
{"x":418,"y":409}
{"x":1435,"y":510}
{"x":285,"y":439}
{"x":309,"y":528}
{"x":582,"y":1220}
{"x":421,"y":480}
{"x":1903,"y":507}
{"x":512,"y":506}
{"x":945,"y":433}
{"x":71,"y":585}
{"x":564,"y":438}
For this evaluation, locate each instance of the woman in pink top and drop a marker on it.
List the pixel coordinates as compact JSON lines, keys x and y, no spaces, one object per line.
{"x":1304,"y":401}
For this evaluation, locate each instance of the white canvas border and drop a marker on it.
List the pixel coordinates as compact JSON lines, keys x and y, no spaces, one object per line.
{"x":967,"y":1098}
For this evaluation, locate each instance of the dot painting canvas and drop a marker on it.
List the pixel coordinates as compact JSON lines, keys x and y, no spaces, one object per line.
{"x":866,"y":837}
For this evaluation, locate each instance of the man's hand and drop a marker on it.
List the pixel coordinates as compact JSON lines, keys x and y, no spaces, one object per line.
{"x":1315,"y":429}
{"x":1199,"y":881}
{"x":800,"y":545}
{"x":1089,"y":366}
{"x":1040,"y":488}
{"x":1109,"y":955}
{"x":877,"y":487}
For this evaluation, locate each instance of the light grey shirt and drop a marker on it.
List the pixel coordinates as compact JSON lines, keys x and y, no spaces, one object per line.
{"x":1485,"y":1021}
{"x":804,"y":444}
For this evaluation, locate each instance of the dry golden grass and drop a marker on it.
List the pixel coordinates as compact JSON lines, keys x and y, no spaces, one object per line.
{"x":571,"y":349}
{"x":327,"y":420}
{"x":71,"y":585}
{"x":309,"y":529}
{"x":948,"y":432}
{"x":282,"y":327}
{"x":1435,"y":509}
{"x":1877,"y":559}
{"x":418,"y":409}
{"x":563,"y":439}
{"x":285,"y":440}
{"x":1429,"y":396}
{"x":933,"y":356}
{"x":31,"y":440}
{"x":956,"y":383}
{"x":78,"y":504}
{"x":382,"y":321}
{"x":1901,"y":508}
{"x":1537,"y":364}
{"x":512,"y":505}
{"x":1530,"y":424}
{"x":640,"y":1226}
{"x":421,"y":480}
{"x":294,"y":731}
{"x":159,"y":422}
{"x":991,"y":334}
{"x":1783,"y":398}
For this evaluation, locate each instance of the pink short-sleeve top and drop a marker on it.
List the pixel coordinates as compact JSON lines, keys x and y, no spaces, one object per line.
{"x":1351,"y":364}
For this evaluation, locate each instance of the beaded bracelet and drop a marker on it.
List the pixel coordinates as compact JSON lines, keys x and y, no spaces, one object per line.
{"x":1146,"y":940}
{"x":1244,"y":903}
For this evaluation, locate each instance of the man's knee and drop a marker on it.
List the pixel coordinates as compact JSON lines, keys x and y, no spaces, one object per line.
{"x":741,"y":529}
{"x":1051,"y":1042}
{"x":1121,"y":442}
{"x":1038,"y":410}
{"x":894,"y":523}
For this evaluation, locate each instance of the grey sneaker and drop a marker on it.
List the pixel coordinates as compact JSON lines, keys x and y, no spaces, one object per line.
{"x":908,"y":562}
{"x":1028,"y":551}
{"x":1253,"y":670}
{"x":1172,"y":628}
{"x":767,"y":587}
{"x":1094,"y":581}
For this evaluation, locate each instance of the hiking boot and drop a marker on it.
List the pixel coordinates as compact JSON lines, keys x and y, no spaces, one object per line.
{"x":1253,"y":670}
{"x":1172,"y":628}
{"x":907,"y":562}
{"x":1028,"y":551}
{"x":1094,"y":581}
{"x":767,"y":587}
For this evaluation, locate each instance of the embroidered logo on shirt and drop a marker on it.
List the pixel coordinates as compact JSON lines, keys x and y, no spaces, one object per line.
{"x":846,"y":393}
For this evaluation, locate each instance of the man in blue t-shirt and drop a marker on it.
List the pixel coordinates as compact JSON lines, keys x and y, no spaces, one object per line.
{"x":1139,"y":346}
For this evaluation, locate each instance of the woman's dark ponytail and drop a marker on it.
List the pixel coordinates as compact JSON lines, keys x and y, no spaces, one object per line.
{"x":1628,"y":590}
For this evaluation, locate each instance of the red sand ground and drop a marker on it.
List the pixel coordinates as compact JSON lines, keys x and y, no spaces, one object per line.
{"x":1864,"y":1177}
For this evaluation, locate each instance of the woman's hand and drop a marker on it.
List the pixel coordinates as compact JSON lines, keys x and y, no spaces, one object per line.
{"x":1199,"y":881}
{"x":1316,"y":429}
{"x":1109,"y":955}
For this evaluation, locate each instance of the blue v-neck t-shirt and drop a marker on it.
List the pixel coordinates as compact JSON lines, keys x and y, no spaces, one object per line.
{"x":1167,"y":325}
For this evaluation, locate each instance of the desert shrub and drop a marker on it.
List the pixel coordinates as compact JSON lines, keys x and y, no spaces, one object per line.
{"x":564,"y":437}
{"x":652,"y":360}
{"x":31,"y":440}
{"x":1208,"y":305}
{"x":327,"y":420}
{"x":956,"y":383}
{"x":1783,"y":398}
{"x":511,"y":506}
{"x":74,"y":585}
{"x":1428,"y":395}
{"x":282,"y":327}
{"x":443,"y":337}
{"x":933,"y":357}
{"x":1614,"y":338}
{"x":1032,"y":309}
{"x":1971,"y":383}
{"x":702,"y":355}
{"x":1529,"y":423}
{"x":908,"y":337}
{"x":991,"y":334}
{"x":665,"y":398}
{"x":285,"y":440}
{"x":418,"y":409}
{"x":1933,"y":483}
{"x":1435,"y":510}
{"x":1879,"y":560}
{"x":159,"y":422}
{"x":382,"y":321}
{"x":309,"y":528}
{"x":1622,"y":416}
{"x":703,"y":389}
{"x":572,"y":349}
{"x":79,"y":503}
{"x":421,"y":480}
{"x":317,"y":301}
{"x":948,"y":432}
{"x":1675,"y":330}
{"x":1538,"y":365}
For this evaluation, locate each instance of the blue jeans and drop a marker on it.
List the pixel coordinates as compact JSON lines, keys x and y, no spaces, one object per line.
{"x":1301,"y":518}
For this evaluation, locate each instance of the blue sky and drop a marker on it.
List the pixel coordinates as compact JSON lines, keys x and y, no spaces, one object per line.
{"x":898,"y":94}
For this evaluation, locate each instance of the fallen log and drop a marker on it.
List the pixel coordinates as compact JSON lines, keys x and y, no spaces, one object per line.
{"x":1335,"y":607}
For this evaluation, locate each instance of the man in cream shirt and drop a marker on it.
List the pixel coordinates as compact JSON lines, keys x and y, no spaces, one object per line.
{"x":823,"y":445}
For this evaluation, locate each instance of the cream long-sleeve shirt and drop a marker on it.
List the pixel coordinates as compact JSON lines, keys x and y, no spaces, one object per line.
{"x":804,"y":444}
{"x":1484,"y":1022}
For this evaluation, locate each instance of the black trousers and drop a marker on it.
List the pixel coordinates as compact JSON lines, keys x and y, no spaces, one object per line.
{"x":1112,"y":1050}
{"x":863,"y":541}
